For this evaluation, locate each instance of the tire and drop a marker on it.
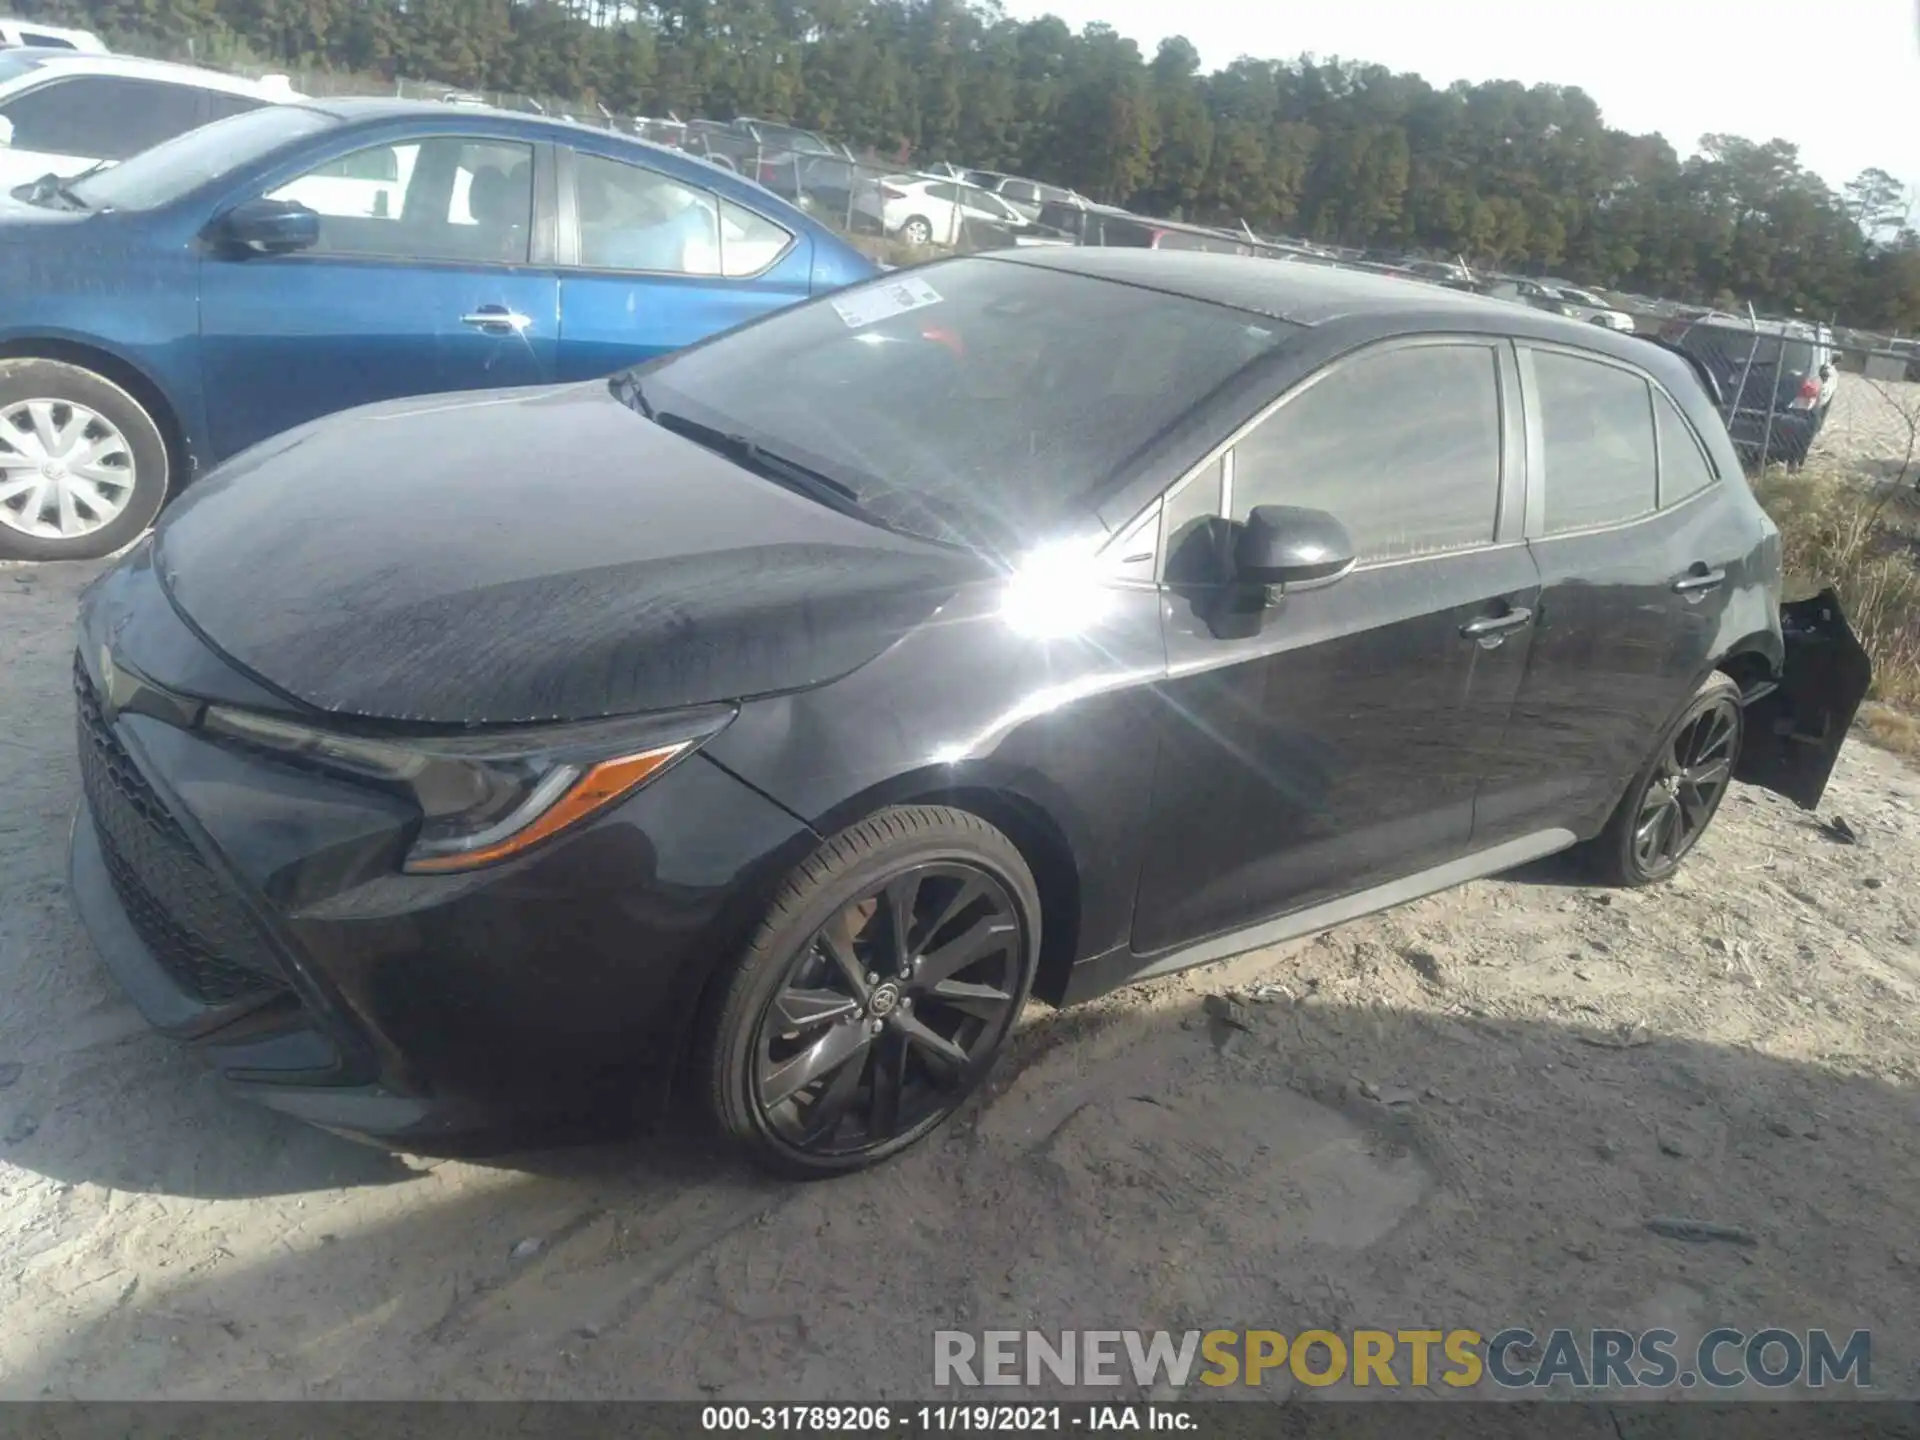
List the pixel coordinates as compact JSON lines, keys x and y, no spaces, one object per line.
{"x":787,"y":1009}
{"x":1709,"y":728}
{"x":49,"y":410}
{"x":917,"y":231}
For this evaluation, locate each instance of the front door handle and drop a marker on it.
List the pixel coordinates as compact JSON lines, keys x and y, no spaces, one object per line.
{"x":1698,"y":580}
{"x":497,"y":320}
{"x":1490,"y":630}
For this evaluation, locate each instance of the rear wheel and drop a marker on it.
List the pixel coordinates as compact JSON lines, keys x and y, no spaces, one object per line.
{"x":877,"y":992}
{"x":83,"y":467}
{"x":1677,"y":793}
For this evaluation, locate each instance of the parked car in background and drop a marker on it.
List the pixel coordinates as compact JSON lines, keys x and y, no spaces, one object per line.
{"x":1580,"y":304}
{"x":1029,"y":196}
{"x":924,"y":211}
{"x":1773,"y":379}
{"x":62,"y":113}
{"x":1444,"y":271}
{"x":32,"y":34}
{"x":779,"y":716}
{"x":303,"y":258}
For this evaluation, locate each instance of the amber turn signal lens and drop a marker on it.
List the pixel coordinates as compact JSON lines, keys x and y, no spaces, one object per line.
{"x":599,"y":787}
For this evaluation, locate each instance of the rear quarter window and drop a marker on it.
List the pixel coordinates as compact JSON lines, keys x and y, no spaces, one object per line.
{"x":1597,"y":429}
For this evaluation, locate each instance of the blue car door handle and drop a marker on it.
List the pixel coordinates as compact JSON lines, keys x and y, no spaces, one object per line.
{"x":497,"y":320}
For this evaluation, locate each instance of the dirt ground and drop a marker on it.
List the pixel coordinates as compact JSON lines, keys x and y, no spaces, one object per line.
{"x":1458,"y":1114}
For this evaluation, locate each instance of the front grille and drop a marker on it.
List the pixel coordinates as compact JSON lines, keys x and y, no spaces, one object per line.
{"x":189,"y":920}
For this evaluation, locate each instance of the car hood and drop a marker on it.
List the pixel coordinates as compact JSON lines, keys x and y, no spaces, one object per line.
{"x":20,"y":220}
{"x":530,"y":555}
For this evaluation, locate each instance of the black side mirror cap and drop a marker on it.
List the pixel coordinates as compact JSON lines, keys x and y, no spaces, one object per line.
{"x":1288,"y":545}
{"x":267,"y":227}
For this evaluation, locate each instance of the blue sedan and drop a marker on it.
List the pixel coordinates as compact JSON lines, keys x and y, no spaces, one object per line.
{"x":164,"y":314}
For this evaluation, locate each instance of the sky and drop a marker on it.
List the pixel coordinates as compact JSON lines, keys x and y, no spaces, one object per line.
{"x":1838,"y":78}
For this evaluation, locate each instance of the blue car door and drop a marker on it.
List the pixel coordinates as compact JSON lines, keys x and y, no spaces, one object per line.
{"x":428,"y":276}
{"x":650,"y":262}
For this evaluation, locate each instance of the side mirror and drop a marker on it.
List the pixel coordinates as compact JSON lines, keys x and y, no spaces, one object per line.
{"x":268,"y":227}
{"x":1286,"y":545}
{"x":6,"y":132}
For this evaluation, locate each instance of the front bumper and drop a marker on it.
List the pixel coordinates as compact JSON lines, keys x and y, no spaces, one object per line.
{"x":256,"y":913}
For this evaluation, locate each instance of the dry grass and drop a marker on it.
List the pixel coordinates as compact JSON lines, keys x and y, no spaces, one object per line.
{"x":1865,"y":542}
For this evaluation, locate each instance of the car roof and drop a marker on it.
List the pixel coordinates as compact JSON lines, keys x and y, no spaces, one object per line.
{"x":1283,"y":290}
{"x":75,"y":62}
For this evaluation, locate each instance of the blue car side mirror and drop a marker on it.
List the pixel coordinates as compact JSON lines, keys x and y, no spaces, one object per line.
{"x":268,"y":227}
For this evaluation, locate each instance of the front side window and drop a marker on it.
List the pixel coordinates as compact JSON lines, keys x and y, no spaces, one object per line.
{"x":1402,"y":445}
{"x":101,"y":117}
{"x":972,"y":402}
{"x":446,"y":198}
{"x":632,"y":218}
{"x":1597,"y":422}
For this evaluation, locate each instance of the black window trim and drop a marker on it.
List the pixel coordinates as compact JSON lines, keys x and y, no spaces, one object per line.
{"x":566,"y":250}
{"x":1536,"y":439}
{"x":1513,"y":485}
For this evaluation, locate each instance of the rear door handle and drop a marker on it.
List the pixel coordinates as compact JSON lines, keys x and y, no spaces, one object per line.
{"x":1695,"y":581}
{"x":497,"y":320}
{"x":1492,"y":629}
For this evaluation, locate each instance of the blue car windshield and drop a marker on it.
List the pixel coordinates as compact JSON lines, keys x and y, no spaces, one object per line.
{"x":163,"y":174}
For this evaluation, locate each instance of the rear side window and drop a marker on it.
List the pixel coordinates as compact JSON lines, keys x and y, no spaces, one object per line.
{"x":633,"y":218}
{"x":1598,"y":425}
{"x":1403,"y":446}
{"x":1684,"y":467}
{"x":101,"y":117}
{"x":749,"y":243}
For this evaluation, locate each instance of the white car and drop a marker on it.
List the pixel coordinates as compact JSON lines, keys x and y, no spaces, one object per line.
{"x":14,"y":33}
{"x":62,"y":112}
{"x":1585,"y":305}
{"x":925,"y":211}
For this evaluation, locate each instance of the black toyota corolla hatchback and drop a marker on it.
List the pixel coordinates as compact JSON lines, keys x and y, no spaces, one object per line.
{"x":776,"y":718}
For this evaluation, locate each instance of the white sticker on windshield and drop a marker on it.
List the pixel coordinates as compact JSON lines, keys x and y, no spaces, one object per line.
{"x":882,"y":302}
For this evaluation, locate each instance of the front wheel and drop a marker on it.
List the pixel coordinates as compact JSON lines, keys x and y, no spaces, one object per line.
{"x":1677,"y":792}
{"x":83,"y":467}
{"x":917,"y":231}
{"x":876,"y":993}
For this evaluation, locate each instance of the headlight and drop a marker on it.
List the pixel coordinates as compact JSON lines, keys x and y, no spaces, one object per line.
{"x":487,"y":797}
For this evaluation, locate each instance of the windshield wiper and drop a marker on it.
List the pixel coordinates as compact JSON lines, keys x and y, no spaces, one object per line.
{"x":812,"y":483}
{"x":626,"y":389}
{"x":52,"y":187}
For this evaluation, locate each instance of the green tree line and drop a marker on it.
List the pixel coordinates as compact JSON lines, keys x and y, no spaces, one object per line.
{"x":1515,"y":176}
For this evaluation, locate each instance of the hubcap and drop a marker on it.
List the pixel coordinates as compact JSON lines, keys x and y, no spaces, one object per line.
{"x":65,"y":470}
{"x":890,"y":1012}
{"x":1686,"y":788}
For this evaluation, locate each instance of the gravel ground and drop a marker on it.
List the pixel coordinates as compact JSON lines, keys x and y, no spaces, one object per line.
{"x":1873,"y":427}
{"x":1458,"y":1114}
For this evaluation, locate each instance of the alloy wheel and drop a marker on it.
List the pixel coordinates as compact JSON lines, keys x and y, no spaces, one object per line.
{"x":891,"y":1011}
{"x":1686,"y":787}
{"x":65,"y":470}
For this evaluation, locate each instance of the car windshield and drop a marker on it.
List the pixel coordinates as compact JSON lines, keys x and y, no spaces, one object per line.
{"x":169,"y":170}
{"x":15,"y":63}
{"x":971,"y":402}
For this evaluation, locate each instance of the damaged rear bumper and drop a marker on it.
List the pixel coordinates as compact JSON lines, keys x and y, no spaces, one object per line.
{"x":1796,"y":726}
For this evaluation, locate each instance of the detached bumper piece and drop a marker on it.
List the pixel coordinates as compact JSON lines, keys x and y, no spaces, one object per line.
{"x":1794,"y":731}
